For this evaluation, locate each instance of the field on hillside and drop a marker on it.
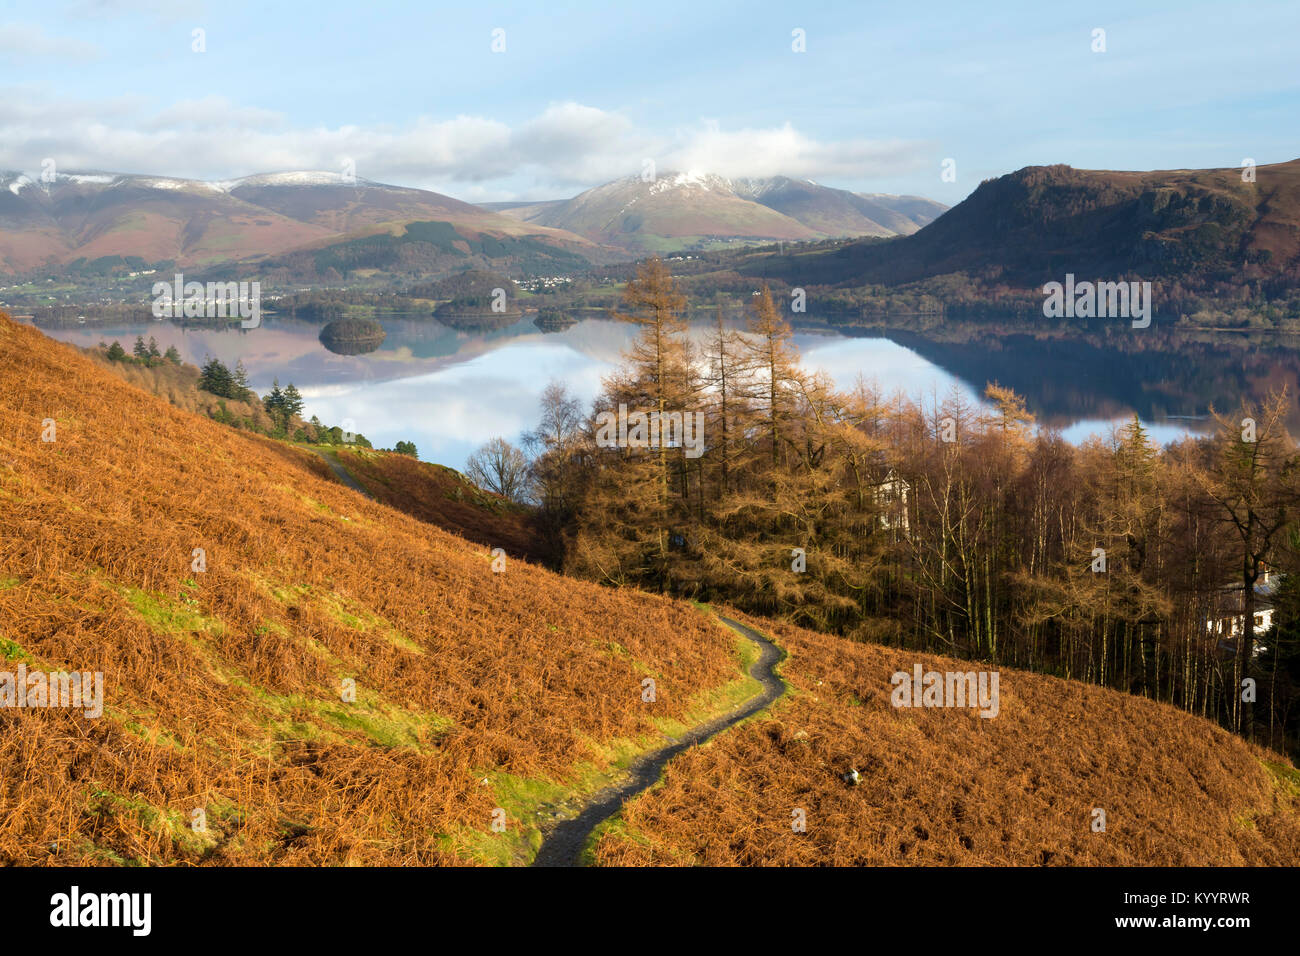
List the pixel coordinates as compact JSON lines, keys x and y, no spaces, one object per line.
{"x":944,"y":786}
{"x":224,"y":688}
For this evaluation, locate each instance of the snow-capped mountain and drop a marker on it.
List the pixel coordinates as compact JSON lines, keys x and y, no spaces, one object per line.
{"x":90,"y":215}
{"x":677,"y":210}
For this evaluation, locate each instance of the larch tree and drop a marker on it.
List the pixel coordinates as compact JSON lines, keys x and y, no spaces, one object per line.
{"x":659,"y":376}
{"x":724,"y":349}
{"x":774,"y":362}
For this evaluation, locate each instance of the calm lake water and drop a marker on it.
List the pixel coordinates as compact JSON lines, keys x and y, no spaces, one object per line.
{"x":449,"y":391}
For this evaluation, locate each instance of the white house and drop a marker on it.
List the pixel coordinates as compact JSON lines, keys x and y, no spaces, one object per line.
{"x":1225,"y":621}
{"x":890,"y":496}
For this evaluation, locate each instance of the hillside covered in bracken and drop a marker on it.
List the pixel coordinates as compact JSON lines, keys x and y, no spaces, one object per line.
{"x":945,"y":786}
{"x":222,"y":689}
{"x":477,"y":690}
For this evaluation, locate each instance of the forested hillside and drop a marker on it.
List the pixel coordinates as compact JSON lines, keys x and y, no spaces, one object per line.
{"x":935,"y":525}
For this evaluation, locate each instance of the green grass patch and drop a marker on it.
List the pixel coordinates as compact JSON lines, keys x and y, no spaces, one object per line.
{"x":1288,"y":778}
{"x":13,"y":651}
{"x":371,"y":716}
{"x":717,"y":701}
{"x":170,"y":615}
{"x":362,"y":619}
{"x":164,"y":822}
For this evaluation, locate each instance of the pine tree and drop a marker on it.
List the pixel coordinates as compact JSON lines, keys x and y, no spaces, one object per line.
{"x":116,"y":353}
{"x":292,"y":401}
{"x":172,"y":356}
{"x":1254,"y":480}
{"x":239,"y":380}
{"x":215,"y":378}
{"x":140,"y":350}
{"x":274,"y":405}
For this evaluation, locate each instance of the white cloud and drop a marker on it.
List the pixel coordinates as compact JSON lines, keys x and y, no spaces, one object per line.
{"x":785,"y":151}
{"x":562,"y":150}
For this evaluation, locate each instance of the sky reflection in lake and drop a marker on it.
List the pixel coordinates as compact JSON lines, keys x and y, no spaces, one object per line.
{"x":449,"y":391}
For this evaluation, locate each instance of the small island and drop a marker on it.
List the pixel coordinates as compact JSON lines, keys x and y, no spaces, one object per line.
{"x":554,"y":320}
{"x":474,"y":301}
{"x":352,"y":336}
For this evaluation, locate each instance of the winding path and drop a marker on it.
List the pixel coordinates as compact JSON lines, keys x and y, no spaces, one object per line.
{"x":342,"y":473}
{"x":564,"y":843}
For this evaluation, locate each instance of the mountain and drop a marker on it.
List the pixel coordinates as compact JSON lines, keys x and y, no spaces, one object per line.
{"x":152,"y":219}
{"x":344,"y":207}
{"x":837,"y":213}
{"x":115,"y":221}
{"x":1196,"y":229}
{"x":679,"y":211}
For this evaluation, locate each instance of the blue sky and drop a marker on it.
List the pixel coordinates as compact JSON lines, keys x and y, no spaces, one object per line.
{"x":412,"y":93}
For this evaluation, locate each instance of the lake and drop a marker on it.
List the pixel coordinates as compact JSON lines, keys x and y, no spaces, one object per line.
{"x":449,"y":391}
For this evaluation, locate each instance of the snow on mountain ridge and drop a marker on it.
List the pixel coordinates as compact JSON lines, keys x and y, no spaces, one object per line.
{"x":301,"y":177}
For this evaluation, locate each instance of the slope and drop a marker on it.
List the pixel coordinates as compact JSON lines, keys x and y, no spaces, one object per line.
{"x":476,"y":690}
{"x":944,"y":786}
{"x":223,"y":688}
{"x":838,"y":212}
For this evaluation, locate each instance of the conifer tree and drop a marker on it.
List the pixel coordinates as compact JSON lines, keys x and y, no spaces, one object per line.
{"x":657,"y":378}
{"x":774,"y":362}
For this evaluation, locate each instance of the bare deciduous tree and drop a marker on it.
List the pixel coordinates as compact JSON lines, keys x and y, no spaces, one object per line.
{"x":500,"y":467}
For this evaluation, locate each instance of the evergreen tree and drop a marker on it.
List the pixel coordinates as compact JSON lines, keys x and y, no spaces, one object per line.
{"x":172,"y":356}
{"x":116,"y":352}
{"x":274,"y":400}
{"x":215,"y":378}
{"x":292,"y":401}
{"x":724,"y":349}
{"x":239,"y":378}
{"x":140,"y":350}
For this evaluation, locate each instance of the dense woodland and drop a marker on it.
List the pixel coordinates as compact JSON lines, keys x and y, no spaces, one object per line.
{"x":936,"y":526}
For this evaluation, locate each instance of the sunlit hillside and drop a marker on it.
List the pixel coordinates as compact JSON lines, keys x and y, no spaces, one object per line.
{"x":476,"y":691}
{"x":944,"y":786}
